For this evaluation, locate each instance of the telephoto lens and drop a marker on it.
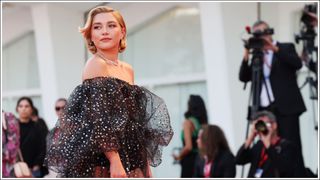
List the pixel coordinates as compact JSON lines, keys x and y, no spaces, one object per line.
{"x":261,"y":127}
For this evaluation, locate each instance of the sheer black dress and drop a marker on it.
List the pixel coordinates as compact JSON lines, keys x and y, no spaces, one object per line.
{"x":108,"y":114}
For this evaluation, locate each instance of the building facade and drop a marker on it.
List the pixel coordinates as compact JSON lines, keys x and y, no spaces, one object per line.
{"x":176,"y":49}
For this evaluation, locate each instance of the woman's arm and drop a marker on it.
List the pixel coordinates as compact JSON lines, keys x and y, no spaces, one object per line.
{"x":116,"y":167}
{"x":187,"y":129}
{"x":149,"y":173}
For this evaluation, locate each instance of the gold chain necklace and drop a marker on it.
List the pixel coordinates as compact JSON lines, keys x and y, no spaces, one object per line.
{"x":115,"y":63}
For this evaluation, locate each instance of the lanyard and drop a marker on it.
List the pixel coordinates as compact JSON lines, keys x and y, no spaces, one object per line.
{"x":264,"y":155}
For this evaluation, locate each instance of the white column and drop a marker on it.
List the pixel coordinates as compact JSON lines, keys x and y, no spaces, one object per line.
{"x":60,"y":51}
{"x":45,"y":56}
{"x":219,"y":107}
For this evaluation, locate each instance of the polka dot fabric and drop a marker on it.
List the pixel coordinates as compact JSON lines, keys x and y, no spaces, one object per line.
{"x":107,"y":114}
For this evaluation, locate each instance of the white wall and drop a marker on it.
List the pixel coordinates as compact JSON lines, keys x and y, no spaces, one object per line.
{"x":59,"y":47}
{"x":68,"y":47}
{"x":236,"y":16}
{"x":219,"y":106}
{"x":15,"y":23}
{"x":60,"y":52}
{"x":136,"y":14}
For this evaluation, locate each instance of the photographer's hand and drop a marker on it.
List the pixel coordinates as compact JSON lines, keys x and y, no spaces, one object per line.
{"x":252,"y":135}
{"x":268,"y":45}
{"x":266,"y":139}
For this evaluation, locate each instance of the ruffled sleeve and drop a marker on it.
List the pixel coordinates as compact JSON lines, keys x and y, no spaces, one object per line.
{"x":107,"y":114}
{"x":158,"y":128}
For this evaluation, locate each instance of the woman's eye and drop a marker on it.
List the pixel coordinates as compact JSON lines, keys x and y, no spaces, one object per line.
{"x":112,"y":25}
{"x":96,"y":27}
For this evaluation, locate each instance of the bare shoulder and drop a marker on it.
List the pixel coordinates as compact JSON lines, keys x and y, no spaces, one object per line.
{"x":187,"y":123}
{"x":127,"y":66}
{"x":94,"y":67}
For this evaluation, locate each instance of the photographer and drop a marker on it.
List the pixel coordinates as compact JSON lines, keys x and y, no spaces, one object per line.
{"x":271,"y":156}
{"x":279,"y":92}
{"x":309,"y":22}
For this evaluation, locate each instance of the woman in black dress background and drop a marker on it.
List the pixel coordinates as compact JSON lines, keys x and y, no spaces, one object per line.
{"x":32,"y":140}
{"x":195,"y":117}
{"x":215,"y":158}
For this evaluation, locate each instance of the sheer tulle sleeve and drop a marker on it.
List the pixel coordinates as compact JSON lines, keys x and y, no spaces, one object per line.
{"x":107,"y":114}
{"x":158,"y":129}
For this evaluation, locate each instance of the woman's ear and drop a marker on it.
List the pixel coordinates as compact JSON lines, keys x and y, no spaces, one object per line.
{"x":123,"y":33}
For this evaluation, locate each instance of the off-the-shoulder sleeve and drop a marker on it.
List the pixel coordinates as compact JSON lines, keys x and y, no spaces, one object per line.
{"x":158,"y":128}
{"x":109,"y":115}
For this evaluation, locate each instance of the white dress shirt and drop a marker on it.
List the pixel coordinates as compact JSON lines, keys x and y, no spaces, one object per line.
{"x":267,"y":65}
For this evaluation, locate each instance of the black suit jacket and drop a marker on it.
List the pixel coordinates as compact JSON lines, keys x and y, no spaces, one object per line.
{"x":223,"y":166}
{"x":282,"y":159}
{"x":285,"y":63}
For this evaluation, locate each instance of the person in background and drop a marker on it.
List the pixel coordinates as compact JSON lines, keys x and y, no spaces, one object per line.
{"x":215,"y":158}
{"x":40,"y":122}
{"x":279,"y":91}
{"x":53,"y":134}
{"x":32,"y":141}
{"x":195,"y":116}
{"x":59,"y":107}
{"x":272,"y":156}
{"x":10,"y":143}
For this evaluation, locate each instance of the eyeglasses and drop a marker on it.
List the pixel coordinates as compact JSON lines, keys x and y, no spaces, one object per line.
{"x":59,"y":108}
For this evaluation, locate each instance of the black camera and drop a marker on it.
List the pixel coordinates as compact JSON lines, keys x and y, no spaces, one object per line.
{"x":306,"y":18}
{"x":307,"y":31}
{"x":256,"y":42}
{"x":261,"y":126}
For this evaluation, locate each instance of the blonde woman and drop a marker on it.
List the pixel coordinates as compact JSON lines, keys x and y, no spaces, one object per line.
{"x":111,"y":127}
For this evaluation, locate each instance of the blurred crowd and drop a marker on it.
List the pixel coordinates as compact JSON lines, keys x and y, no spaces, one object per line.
{"x":25,"y":138}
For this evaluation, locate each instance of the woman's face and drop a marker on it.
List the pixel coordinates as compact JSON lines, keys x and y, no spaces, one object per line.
{"x":199,"y":141}
{"x":60,"y":105}
{"x":24,"y":109}
{"x":106,"y":32}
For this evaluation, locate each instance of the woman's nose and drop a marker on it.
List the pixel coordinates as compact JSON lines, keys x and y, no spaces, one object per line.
{"x":105,"y":31}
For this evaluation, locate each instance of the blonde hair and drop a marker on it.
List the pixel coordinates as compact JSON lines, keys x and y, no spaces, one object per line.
{"x":86,"y":30}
